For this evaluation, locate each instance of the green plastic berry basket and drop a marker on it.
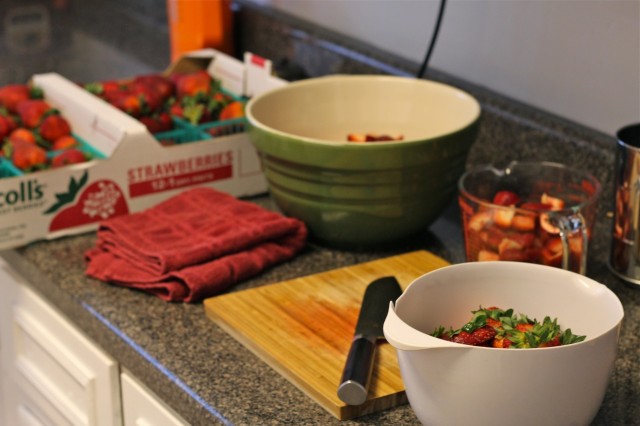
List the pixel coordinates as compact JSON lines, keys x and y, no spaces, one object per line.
{"x":180,"y":136}
{"x":89,"y":150}
{"x":8,"y":169}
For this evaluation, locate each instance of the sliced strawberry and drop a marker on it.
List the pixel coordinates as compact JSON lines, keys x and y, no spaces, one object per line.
{"x":480,"y":220}
{"x":506,"y":198}
{"x":486,"y":255}
{"x":356,"y":137}
{"x":526,"y":239}
{"x":513,"y":255}
{"x":503,"y":217}
{"x":508,"y":244}
{"x":545,"y":223}
{"x":555,"y":203}
{"x":521,"y":222}
{"x":477,"y":337}
{"x":535,"y":206}
{"x":550,"y":258}
{"x":493,"y":236}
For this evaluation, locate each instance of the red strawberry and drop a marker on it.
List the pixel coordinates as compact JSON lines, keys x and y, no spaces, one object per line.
{"x":31,"y":112}
{"x":159,"y":123}
{"x":4,"y":128}
{"x":231,"y":111}
{"x":27,"y":156}
{"x":506,"y":198}
{"x":13,"y":94}
{"x":102,"y":88}
{"x":69,"y":156}
{"x":64,"y":142}
{"x":22,"y":135}
{"x":10,"y":121}
{"x":192,"y":84}
{"x":126,"y":101}
{"x":176,"y":110}
{"x":153,"y":100}
{"x":156,"y":83}
{"x":54,"y":127}
{"x":535,"y":206}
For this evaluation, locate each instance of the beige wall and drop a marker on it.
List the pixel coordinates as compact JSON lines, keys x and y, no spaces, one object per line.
{"x":576,"y":58}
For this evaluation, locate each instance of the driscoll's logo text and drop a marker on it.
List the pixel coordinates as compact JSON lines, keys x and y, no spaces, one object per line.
{"x":30,"y":190}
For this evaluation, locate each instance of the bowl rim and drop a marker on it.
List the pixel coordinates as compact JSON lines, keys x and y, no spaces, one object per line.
{"x":381,"y":78}
{"x":488,"y":204}
{"x":588,"y":283}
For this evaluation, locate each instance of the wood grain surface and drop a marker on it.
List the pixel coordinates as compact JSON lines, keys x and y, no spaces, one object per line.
{"x":303,"y":328}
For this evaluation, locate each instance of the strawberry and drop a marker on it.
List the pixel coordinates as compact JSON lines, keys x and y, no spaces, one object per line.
{"x":232,"y":110}
{"x":480,"y":220}
{"x":102,"y":88}
{"x":64,"y":142}
{"x":54,"y":127}
{"x":506,"y":198}
{"x":11,"y":95}
{"x":486,"y":255}
{"x":176,"y":110}
{"x":69,"y":156}
{"x":126,"y":101}
{"x":535,"y":206}
{"x":158,"y":123}
{"x":503,"y":216}
{"x":478,"y":337}
{"x":26,"y":156}
{"x":31,"y":112}
{"x":555,"y":203}
{"x":4,"y":128}
{"x":199,"y":82}
{"x":155,"y":83}
{"x":523,"y":222}
{"x":10,"y":121}
{"x":22,"y":135}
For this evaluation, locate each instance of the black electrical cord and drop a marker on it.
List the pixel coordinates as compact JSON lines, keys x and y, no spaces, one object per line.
{"x":432,"y":43}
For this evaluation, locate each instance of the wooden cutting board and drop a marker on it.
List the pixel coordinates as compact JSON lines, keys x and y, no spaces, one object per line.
{"x":303,"y":328}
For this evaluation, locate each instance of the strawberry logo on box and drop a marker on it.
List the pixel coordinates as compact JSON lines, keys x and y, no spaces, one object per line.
{"x":100,"y":200}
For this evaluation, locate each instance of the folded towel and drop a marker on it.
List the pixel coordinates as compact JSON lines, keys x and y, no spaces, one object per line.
{"x":193,"y":245}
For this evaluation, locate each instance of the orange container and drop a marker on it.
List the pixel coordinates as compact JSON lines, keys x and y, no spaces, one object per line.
{"x":196,"y":24}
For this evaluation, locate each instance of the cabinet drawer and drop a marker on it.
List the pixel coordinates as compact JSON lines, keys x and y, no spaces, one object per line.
{"x":142,"y":408}
{"x":64,"y":374}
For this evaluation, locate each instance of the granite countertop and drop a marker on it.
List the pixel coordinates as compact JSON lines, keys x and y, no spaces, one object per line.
{"x":192,"y":364}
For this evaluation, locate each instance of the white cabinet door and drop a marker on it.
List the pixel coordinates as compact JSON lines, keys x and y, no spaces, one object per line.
{"x":52,"y":373}
{"x":142,"y":408}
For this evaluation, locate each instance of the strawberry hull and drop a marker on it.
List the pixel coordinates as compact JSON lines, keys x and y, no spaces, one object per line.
{"x":134,"y":171}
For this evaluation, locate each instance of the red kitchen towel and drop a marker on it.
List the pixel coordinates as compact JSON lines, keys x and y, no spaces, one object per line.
{"x":193,"y":245}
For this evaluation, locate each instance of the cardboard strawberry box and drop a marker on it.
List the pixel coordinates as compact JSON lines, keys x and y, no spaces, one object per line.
{"x":130,"y":168}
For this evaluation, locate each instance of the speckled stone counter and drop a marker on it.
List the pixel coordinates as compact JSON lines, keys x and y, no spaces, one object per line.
{"x":206,"y":375}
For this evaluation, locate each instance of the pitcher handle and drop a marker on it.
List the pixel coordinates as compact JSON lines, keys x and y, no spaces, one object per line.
{"x":569,"y":225}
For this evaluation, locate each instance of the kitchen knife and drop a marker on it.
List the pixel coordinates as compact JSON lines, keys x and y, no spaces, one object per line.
{"x":354,"y":384}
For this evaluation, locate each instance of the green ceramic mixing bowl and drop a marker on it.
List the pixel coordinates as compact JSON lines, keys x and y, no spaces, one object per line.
{"x":358,"y":194}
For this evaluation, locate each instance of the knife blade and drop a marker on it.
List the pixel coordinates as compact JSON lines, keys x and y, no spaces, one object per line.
{"x":354,"y":384}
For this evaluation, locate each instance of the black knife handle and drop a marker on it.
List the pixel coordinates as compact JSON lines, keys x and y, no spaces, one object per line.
{"x":354,"y":384}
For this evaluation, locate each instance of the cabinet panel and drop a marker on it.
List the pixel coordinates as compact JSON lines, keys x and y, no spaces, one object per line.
{"x":142,"y":408}
{"x":60,"y":372}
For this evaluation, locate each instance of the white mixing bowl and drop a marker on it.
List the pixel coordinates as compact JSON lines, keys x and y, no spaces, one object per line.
{"x":453,"y":384}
